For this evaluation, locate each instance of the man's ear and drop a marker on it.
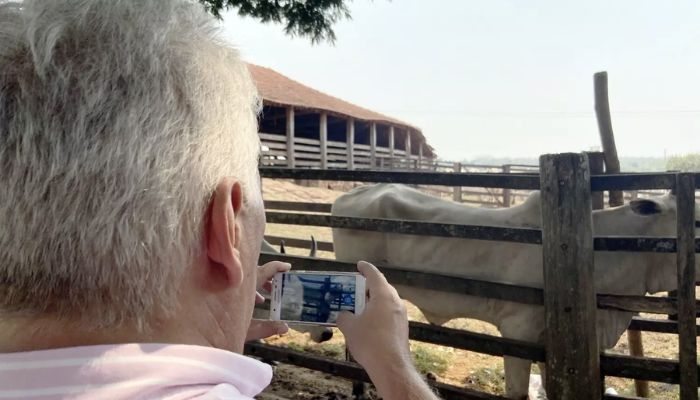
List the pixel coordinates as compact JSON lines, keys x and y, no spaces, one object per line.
{"x":224,"y":269}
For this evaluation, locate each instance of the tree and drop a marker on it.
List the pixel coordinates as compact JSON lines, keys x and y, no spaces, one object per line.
{"x":305,"y":18}
{"x":685,"y":163}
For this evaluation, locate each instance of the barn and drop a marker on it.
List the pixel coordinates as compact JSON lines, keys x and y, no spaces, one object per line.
{"x":303,"y":127}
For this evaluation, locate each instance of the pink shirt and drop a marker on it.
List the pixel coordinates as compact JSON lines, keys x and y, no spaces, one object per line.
{"x":131,"y":371}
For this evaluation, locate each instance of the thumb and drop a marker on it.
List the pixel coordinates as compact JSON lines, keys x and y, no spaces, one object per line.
{"x":260,"y":329}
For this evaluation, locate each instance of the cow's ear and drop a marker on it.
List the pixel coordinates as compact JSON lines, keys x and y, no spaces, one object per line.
{"x":646,"y":207}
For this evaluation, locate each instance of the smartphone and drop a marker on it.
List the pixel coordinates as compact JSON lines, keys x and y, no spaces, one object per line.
{"x":306,"y":297}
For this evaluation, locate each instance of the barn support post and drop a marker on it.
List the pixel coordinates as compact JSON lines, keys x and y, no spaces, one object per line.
{"x":323,"y":139}
{"x":407,"y":147}
{"x":457,"y":190}
{"x":392,"y":146}
{"x":290,"y":137}
{"x":685,"y":256}
{"x":373,"y":145}
{"x":350,"y":137}
{"x":612,"y":166}
{"x":506,"y":192}
{"x":420,"y":155}
{"x":571,"y":343}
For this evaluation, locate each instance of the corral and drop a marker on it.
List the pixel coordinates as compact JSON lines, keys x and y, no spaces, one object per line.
{"x":683,"y":372}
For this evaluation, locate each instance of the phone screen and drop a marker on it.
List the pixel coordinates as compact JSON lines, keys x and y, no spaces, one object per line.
{"x":317,"y":298}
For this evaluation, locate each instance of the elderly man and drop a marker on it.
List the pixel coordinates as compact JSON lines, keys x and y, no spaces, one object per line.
{"x":131,"y":217}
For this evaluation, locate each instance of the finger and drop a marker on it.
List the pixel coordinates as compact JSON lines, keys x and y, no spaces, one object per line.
{"x":345,"y":319}
{"x":268,"y":271}
{"x":376,"y":282}
{"x":267,"y":286}
{"x":260,"y":329}
{"x":259,"y":299}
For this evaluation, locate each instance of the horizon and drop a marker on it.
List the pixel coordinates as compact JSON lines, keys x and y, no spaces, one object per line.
{"x":497,"y":72}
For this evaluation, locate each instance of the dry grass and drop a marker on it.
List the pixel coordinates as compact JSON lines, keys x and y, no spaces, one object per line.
{"x":452,"y":366}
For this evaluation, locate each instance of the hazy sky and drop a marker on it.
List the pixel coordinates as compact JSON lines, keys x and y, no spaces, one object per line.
{"x":506,"y":78}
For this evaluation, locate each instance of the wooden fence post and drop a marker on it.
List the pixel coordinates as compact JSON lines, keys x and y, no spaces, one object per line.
{"x":506,"y":192}
{"x":573,"y":362}
{"x":607,"y":139}
{"x":597,"y":164}
{"x":457,"y":190}
{"x":323,"y":139}
{"x":290,"y":137}
{"x":687,"y":350}
{"x":350,"y":136}
{"x":615,"y":197}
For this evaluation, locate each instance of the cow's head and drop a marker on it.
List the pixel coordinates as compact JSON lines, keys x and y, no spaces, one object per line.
{"x":652,"y":217}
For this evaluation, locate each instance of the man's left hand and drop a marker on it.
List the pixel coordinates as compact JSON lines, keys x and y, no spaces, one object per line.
{"x":260,"y":329}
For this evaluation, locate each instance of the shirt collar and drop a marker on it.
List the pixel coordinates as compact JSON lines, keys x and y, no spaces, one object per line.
{"x":159,"y":365}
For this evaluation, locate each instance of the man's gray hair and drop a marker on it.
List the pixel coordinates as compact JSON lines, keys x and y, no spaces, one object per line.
{"x":117,"y":120}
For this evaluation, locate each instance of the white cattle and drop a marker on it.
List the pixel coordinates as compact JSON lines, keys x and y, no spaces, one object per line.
{"x":318,"y":334}
{"x":622,"y":273}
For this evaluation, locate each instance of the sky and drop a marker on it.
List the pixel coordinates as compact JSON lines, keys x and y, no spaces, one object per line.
{"x":506,"y":78}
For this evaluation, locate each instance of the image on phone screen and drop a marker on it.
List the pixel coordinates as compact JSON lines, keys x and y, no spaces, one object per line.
{"x":316,"y":298}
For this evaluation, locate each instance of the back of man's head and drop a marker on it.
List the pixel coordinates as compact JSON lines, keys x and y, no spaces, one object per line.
{"x":117,"y":118}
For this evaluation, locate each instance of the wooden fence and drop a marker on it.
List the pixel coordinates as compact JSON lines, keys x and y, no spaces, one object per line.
{"x":315,"y":153}
{"x":684,"y":372}
{"x":498,"y":197}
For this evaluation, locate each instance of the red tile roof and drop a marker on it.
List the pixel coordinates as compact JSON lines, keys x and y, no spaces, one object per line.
{"x":277,"y":89}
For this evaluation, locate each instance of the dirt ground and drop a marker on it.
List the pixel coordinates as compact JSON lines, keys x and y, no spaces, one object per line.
{"x":457,"y":367}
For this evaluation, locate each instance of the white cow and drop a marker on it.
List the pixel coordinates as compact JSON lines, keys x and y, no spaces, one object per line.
{"x":621,"y":273}
{"x":318,"y":334}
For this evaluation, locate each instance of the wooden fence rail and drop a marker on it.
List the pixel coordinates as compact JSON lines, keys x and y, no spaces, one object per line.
{"x":475,"y":287}
{"x":476,"y":232}
{"x":628,"y":181}
{"x":611,"y":365}
{"x":684,"y":372}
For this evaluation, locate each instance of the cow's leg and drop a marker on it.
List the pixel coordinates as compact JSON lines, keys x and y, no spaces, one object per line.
{"x":517,"y":377}
{"x":525,"y":324}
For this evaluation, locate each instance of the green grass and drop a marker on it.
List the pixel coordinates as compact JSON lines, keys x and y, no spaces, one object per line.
{"x":428,"y":359}
{"x":491,"y":380}
{"x":332,"y":350}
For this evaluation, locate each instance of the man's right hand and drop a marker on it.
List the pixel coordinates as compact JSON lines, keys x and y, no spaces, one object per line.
{"x":378,"y":339}
{"x":382,"y":328}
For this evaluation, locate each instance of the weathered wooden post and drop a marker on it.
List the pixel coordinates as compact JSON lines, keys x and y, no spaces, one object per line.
{"x":373,"y":145}
{"x":457,"y":190}
{"x":612,"y":166}
{"x":350,"y":136}
{"x":392,"y":146}
{"x":323,"y":139}
{"x":685,"y":253}
{"x":607,"y":139}
{"x":573,"y":362}
{"x":506,"y":192}
{"x":290,"y":137}
{"x":597,"y":166}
